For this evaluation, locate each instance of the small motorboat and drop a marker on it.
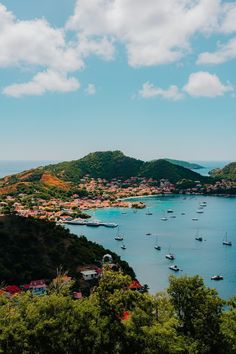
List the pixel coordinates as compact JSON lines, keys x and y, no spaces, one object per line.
{"x":195,"y":219}
{"x":200,"y":211}
{"x":170,"y":211}
{"x":217,"y":277}
{"x":157,"y":247}
{"x":174,"y":268}
{"x":182,"y":213}
{"x":170,"y":256}
{"x":164,"y":218}
{"x":149,"y":213}
{"x":199,"y":238}
{"x":119,"y":238}
{"x":123,"y":247}
{"x":173,"y":217}
{"x":148,"y":234}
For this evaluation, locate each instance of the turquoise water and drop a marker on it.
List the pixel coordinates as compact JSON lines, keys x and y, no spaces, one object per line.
{"x":205,"y":258}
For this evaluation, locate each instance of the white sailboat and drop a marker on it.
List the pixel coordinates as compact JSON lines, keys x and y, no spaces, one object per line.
{"x":197,"y":237}
{"x":119,"y":237}
{"x":157,"y":247}
{"x":170,"y":255}
{"x":225,"y":240}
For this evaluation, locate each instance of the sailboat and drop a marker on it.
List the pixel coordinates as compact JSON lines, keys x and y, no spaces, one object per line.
{"x":226,"y":242}
{"x":123,"y":247}
{"x":157,"y":247}
{"x":170,"y":255}
{"x":119,"y":237}
{"x":148,"y":212}
{"x":198,"y":238}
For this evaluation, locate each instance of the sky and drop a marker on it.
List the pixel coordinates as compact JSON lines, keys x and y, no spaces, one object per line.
{"x":151,"y":78}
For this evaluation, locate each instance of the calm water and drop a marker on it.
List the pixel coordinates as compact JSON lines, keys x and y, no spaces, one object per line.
{"x":11,"y":167}
{"x":206,"y":258}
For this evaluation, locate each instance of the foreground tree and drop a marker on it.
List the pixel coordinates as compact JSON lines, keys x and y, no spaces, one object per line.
{"x":117,"y":320}
{"x":199,"y":311}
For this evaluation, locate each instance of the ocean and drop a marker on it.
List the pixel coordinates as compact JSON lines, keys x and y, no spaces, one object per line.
{"x":11,"y":167}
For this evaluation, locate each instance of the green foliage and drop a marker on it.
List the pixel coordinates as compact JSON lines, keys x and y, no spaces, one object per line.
{"x":55,"y":323}
{"x":159,"y":169}
{"x":33,"y":249}
{"x":114,"y":164}
{"x":228,"y":172}
{"x":228,"y":327}
{"x":199,"y":311}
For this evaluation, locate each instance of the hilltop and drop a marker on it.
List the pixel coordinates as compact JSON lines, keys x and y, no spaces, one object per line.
{"x":34,"y":249}
{"x":228,"y":172}
{"x":189,"y":165}
{"x":63,"y":178}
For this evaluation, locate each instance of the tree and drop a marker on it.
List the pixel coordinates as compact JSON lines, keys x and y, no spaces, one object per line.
{"x":228,"y":326}
{"x":199,"y":310}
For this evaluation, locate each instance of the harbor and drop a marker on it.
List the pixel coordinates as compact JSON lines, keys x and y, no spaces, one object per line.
{"x":176,"y":235}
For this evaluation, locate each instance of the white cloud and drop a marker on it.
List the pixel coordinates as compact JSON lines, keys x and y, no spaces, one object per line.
{"x":224,"y":53}
{"x":204,"y":84}
{"x":48,"y":81}
{"x":91,"y":89}
{"x":149,"y":91}
{"x":35,"y":43}
{"x":102,"y":48}
{"x":228,"y":24}
{"x":153,"y":33}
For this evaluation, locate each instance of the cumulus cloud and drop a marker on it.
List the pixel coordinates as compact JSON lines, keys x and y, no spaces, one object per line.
{"x":48,"y":81}
{"x":224,"y":53}
{"x":204,"y":84}
{"x":154,"y":33}
{"x":228,"y":17}
{"x":149,"y":91}
{"x":90,"y":90}
{"x":35,"y":43}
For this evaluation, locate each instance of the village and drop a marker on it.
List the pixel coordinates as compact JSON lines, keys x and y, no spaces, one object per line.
{"x":100,"y":193}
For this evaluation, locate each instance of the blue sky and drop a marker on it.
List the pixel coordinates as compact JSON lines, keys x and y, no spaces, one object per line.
{"x":153,"y":81}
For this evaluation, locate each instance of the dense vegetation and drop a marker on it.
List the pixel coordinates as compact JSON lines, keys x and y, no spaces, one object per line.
{"x":34,"y":249}
{"x":159,"y":169}
{"x":228,"y":172}
{"x":189,"y":318}
{"x":189,"y":165}
{"x":114,"y":164}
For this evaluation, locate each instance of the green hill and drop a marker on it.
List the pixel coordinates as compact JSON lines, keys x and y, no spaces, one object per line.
{"x":159,"y":169}
{"x":63,"y":178}
{"x":189,"y":165}
{"x":114,"y":164}
{"x":228,"y":172}
{"x":108,"y":165}
{"x":34,"y":249}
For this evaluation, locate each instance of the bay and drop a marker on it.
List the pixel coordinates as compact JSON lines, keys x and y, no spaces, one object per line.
{"x":177,"y":235}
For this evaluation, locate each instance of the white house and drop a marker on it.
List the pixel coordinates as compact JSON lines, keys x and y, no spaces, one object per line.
{"x":89,"y":274}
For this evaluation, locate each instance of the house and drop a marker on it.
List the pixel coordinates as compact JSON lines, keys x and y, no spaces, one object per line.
{"x":12,"y":289}
{"x":90,"y":274}
{"x":38,"y":287}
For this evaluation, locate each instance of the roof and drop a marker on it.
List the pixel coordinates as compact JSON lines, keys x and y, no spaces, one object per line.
{"x":88,"y":272}
{"x":12,"y":289}
{"x":135,"y":285}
